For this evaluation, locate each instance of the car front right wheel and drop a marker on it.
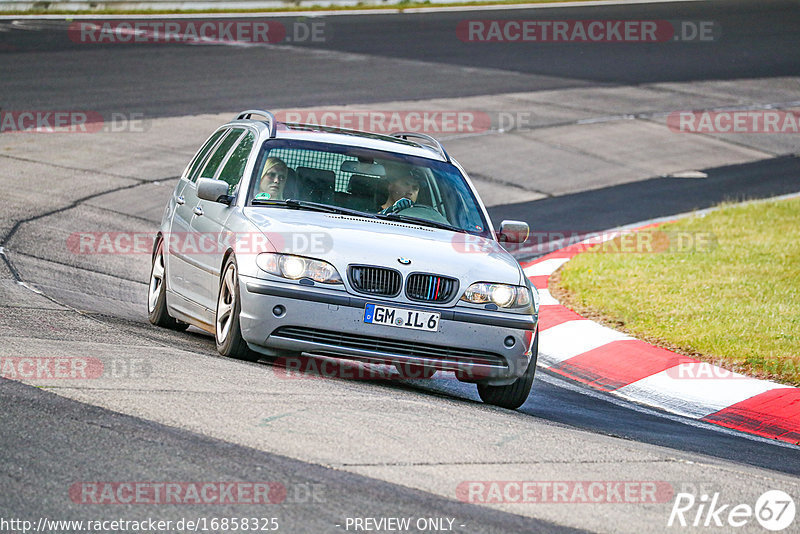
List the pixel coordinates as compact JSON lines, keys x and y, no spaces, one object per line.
{"x":157,"y":311}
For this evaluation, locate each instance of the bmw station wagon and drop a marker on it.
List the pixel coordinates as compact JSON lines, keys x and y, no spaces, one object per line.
{"x":285,"y":238}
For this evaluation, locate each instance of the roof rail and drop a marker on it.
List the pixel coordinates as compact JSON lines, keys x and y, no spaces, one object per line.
{"x":271,"y":120}
{"x":431,"y":142}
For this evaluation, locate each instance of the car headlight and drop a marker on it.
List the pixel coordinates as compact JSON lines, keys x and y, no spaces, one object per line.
{"x":297,"y":267}
{"x":503,"y":295}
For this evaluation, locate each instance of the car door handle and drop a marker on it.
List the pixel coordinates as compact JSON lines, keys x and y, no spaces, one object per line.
{"x":180,"y":200}
{"x":197,"y":210}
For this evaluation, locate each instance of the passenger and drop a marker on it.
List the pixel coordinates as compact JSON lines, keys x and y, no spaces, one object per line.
{"x":403,"y":191}
{"x":273,"y":179}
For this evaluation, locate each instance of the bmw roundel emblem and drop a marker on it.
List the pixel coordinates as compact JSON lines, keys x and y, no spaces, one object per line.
{"x":404,"y":261}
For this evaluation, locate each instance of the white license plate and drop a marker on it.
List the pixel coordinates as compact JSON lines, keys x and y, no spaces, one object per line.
{"x":401,"y":317}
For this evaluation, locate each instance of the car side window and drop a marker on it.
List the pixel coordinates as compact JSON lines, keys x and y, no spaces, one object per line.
{"x":201,"y":155}
{"x":220,"y":153}
{"x":234,"y":168}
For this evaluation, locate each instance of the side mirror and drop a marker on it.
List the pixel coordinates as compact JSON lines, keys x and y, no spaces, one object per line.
{"x":513,"y":232}
{"x":213,"y":190}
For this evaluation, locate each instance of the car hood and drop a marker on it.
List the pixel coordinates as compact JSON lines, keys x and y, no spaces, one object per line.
{"x":343,"y":240}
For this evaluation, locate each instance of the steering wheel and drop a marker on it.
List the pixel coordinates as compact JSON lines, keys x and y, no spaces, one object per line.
{"x":424,"y":212}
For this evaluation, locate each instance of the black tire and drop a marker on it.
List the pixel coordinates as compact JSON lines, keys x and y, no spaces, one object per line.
{"x":227,"y":331}
{"x":157,"y":311}
{"x":515,"y":394}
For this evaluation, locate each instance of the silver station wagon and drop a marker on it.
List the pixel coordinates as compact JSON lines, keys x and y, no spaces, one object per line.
{"x":284,"y":238}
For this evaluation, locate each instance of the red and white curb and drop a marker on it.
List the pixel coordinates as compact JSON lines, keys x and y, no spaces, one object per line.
{"x":605,"y":359}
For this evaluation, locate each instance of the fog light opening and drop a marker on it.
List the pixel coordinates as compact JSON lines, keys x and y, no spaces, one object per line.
{"x":278,"y":311}
{"x":510,"y":341}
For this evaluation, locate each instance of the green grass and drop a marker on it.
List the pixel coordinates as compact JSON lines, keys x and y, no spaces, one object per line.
{"x":388,"y":5}
{"x":735,"y":301}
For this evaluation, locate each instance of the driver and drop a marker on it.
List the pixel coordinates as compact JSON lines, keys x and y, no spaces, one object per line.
{"x":403,"y":190}
{"x":273,"y":180}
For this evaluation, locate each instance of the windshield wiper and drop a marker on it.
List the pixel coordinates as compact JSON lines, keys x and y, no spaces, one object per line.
{"x":422,"y":222}
{"x":312,"y":206}
{"x":327,"y":208}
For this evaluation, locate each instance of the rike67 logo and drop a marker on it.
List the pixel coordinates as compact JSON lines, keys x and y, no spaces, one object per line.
{"x":774,"y":510}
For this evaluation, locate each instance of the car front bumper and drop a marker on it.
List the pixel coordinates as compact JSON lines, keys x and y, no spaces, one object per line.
{"x":476,"y":344}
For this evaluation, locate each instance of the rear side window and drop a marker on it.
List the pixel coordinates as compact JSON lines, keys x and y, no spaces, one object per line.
{"x":198,"y":159}
{"x":220,"y":152}
{"x":234,"y":169}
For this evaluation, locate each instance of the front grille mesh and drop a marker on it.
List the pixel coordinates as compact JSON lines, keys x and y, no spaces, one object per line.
{"x":431,"y":288}
{"x":375,"y":280}
{"x":389,"y":346}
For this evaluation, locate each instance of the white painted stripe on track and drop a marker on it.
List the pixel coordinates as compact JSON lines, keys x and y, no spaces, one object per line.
{"x":673,"y":390}
{"x":545,"y":267}
{"x":546,"y":299}
{"x":573,"y":338}
{"x":611,"y":397}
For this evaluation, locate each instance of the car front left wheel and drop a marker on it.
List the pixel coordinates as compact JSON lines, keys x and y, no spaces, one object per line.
{"x":515,"y":394}
{"x":227,"y":331}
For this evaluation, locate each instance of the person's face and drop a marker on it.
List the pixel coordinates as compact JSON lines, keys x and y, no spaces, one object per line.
{"x":403,"y":187}
{"x":273,"y":181}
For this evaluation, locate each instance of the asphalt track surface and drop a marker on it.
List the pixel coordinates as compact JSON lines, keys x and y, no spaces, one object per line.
{"x":611,"y":207}
{"x":43,"y":70}
{"x":134,"y":449}
{"x":48,"y":439}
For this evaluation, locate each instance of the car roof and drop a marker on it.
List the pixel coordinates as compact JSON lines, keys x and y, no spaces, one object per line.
{"x":408,"y":143}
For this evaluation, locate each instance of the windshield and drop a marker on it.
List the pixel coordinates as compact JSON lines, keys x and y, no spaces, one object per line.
{"x":377,"y":183}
